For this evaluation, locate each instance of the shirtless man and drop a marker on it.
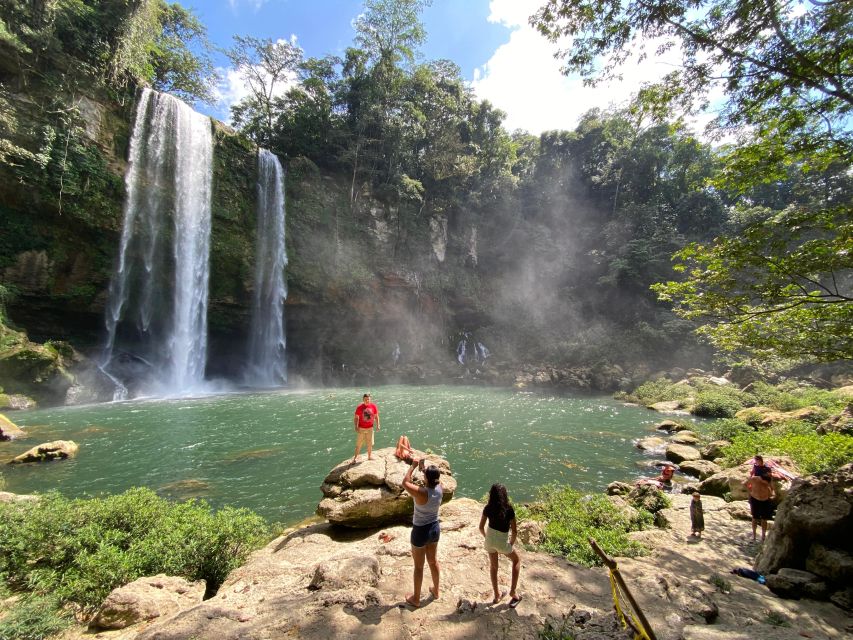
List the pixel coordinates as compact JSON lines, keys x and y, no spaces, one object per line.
{"x":760,"y":501}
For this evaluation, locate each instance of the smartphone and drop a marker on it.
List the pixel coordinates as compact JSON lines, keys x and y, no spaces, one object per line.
{"x":421,"y":464}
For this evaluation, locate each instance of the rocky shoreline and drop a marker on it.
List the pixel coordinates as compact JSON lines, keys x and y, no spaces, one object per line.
{"x":322,"y":581}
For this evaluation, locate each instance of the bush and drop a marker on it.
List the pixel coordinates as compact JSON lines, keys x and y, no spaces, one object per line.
{"x":79,"y":550}
{"x":729,"y":429}
{"x":34,"y":618}
{"x":811,"y":452}
{"x":659,"y":390}
{"x":719,"y":402}
{"x":790,"y":396}
{"x":570,"y":518}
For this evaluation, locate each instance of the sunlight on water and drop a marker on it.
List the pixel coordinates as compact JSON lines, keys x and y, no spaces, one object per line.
{"x":270,"y":451}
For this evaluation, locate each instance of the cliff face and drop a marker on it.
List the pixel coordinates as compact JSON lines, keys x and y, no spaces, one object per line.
{"x":363,"y":274}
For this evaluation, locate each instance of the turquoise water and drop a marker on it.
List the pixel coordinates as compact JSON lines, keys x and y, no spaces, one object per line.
{"x":270,"y":451}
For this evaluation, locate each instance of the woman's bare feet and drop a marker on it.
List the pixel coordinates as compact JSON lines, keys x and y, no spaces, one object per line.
{"x":498,"y":598}
{"x":433,"y":592}
{"x":410,"y":600}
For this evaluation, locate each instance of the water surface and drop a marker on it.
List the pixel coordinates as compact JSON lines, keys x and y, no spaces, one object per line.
{"x":270,"y":451}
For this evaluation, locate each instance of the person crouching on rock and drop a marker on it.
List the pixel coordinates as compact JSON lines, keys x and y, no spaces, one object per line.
{"x":425,"y":528}
{"x":500,"y":537}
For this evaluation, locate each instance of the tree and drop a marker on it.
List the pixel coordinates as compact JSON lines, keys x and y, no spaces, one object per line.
{"x":780,"y":285}
{"x":267,"y":67}
{"x":177,"y":69}
{"x":391,"y":29}
{"x":786,"y":66}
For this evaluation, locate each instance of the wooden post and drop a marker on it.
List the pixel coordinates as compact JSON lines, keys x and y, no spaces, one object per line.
{"x":611,"y":565}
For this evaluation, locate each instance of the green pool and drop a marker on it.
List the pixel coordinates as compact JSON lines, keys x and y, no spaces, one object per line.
{"x":270,"y":451}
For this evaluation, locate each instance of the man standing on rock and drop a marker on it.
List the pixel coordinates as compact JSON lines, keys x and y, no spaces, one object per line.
{"x":760,"y":501}
{"x":366,"y":415}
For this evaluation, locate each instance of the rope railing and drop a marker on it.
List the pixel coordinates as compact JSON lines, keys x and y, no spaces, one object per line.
{"x":635,"y":619}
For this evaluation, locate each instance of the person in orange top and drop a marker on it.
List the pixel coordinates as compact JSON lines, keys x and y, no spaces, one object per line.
{"x":366,"y":416}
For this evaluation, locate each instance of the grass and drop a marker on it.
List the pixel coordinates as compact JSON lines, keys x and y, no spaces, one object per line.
{"x":722,"y":585}
{"x":34,"y":618}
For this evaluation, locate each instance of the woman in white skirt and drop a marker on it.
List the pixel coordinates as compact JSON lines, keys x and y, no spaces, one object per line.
{"x":500,"y":537}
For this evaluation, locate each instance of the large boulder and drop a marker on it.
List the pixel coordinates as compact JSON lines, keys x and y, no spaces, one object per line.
{"x":146,"y":599}
{"x":370,"y":493}
{"x":817,"y":510}
{"x":841,"y":423}
{"x":678,"y":453}
{"x":56,"y":450}
{"x":714,"y":449}
{"x":9,"y":430}
{"x":728,"y":481}
{"x":685,"y":437}
{"x":702,"y":469}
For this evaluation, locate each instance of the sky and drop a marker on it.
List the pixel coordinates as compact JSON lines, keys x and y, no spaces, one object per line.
{"x":501,"y":56}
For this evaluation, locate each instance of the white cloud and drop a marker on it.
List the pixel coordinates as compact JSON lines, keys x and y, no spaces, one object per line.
{"x":254,"y":4}
{"x":523,"y":79}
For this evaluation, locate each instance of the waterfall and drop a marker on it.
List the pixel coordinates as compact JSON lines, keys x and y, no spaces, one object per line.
{"x":267,"y":364}
{"x":158,"y":294}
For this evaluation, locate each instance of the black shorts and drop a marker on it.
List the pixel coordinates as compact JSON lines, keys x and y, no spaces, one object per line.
{"x":425,"y":534}
{"x":760,"y":509}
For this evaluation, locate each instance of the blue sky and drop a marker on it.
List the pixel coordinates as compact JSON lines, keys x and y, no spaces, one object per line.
{"x":501,"y":56}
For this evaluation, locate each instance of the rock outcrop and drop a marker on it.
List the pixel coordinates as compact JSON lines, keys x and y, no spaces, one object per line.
{"x":812,"y":532}
{"x":56,"y":450}
{"x":370,"y":493}
{"x":146,"y":599}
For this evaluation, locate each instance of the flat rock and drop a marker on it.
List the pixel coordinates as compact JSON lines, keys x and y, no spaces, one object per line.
{"x":680,"y":452}
{"x":685,"y":437}
{"x":146,"y":599}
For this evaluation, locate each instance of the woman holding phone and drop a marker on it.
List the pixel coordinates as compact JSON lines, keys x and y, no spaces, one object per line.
{"x":425,"y":527}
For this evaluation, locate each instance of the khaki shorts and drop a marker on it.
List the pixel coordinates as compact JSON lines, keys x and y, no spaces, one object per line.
{"x":497,"y":541}
{"x":364,"y":437}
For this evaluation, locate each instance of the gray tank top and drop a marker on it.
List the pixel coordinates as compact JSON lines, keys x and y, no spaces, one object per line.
{"x":428,"y":513}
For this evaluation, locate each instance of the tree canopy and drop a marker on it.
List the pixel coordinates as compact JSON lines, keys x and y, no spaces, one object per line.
{"x":780,"y":284}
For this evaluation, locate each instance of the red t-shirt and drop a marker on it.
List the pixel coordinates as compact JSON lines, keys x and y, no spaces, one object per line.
{"x":366,"y":415}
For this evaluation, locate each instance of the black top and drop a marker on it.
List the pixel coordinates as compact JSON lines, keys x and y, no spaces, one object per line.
{"x":495,"y":522}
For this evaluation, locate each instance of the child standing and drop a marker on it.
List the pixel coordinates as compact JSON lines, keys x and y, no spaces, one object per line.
{"x":697,"y":515}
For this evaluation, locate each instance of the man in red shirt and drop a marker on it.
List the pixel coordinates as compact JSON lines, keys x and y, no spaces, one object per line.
{"x":366,"y":415}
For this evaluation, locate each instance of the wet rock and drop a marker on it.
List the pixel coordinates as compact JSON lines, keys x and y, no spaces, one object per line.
{"x":652,"y":443}
{"x":18,"y":402}
{"x":56,"y":450}
{"x":9,"y":430}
